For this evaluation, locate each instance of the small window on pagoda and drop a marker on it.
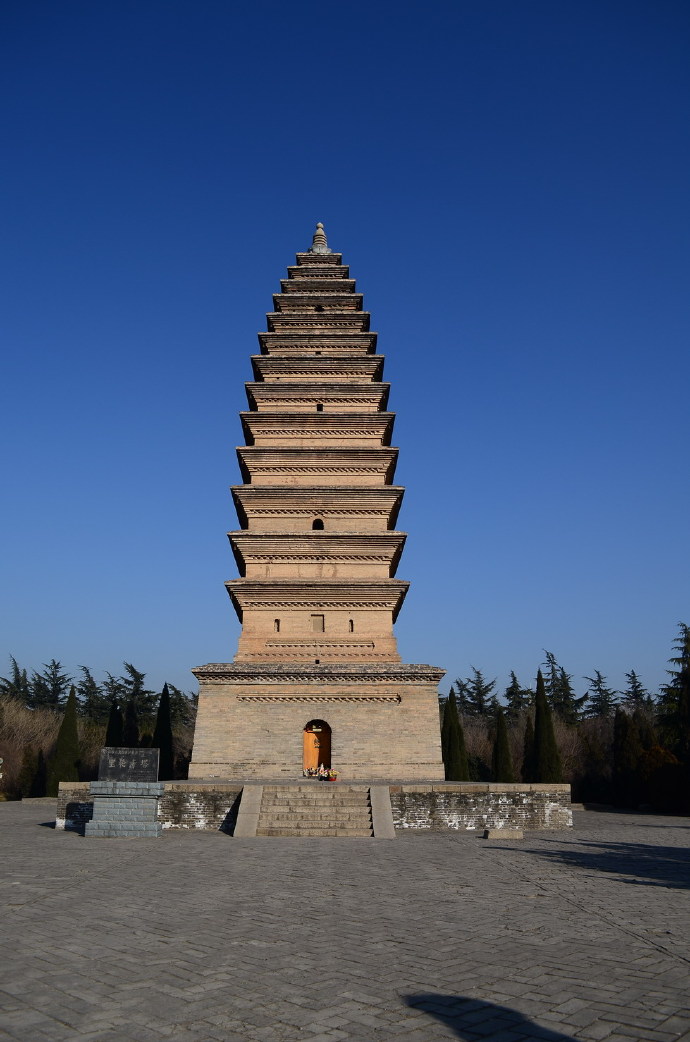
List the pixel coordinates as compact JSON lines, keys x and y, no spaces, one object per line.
{"x":317,"y":524}
{"x":319,"y":406}
{"x":276,"y":625}
{"x":317,"y":352}
{"x":317,"y":623}
{"x":351,"y":626}
{"x":319,"y":308}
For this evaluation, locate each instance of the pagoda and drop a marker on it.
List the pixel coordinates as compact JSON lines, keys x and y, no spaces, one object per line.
{"x":317,"y":678}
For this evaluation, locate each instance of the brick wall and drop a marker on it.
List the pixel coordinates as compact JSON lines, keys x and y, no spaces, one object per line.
{"x":210,"y":807}
{"x":74,"y":806}
{"x":466,"y":805}
{"x":182,"y":806}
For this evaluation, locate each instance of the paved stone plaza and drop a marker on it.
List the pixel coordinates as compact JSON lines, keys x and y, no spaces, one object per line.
{"x":578,"y":935}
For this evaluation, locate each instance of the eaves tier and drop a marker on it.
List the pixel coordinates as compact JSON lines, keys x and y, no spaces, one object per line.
{"x":318,"y":550}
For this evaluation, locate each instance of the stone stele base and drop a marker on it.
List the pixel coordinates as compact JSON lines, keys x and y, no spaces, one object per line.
{"x":383,"y":719}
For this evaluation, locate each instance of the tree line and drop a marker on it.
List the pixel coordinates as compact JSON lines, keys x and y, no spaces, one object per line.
{"x":629,"y":747}
{"x":53,"y":726}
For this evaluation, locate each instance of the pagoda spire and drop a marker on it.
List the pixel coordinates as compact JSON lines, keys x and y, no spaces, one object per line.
{"x":319,"y":242}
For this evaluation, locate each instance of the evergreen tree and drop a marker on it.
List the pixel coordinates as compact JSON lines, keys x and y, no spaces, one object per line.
{"x":478,"y":694}
{"x":528,"y":765}
{"x":49,"y":688}
{"x":502,"y":761}
{"x":163,"y":737}
{"x":27,"y":771}
{"x":64,"y":765}
{"x":627,"y":752}
{"x":17,"y":684}
{"x":93,"y":703}
{"x":547,"y":760}
{"x":635,"y":696}
{"x":559,"y":691}
{"x":182,"y":706}
{"x":645,"y":728}
{"x":453,"y":743}
{"x":135,"y":691}
{"x":130,"y":735}
{"x":674,"y":704}
{"x":114,"y":730}
{"x":601,"y":698}
{"x":461,"y":700}
{"x":518,"y":698}
{"x":41,"y":777}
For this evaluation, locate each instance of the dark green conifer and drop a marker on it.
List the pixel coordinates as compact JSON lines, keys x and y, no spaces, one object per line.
{"x":601,"y":697}
{"x":502,"y":761}
{"x":64,"y":765}
{"x":163,"y":737}
{"x":627,"y":753}
{"x":547,"y":760}
{"x":130,"y":734}
{"x":453,"y":743}
{"x":528,"y":769}
{"x":27,"y":771}
{"x":114,"y":730}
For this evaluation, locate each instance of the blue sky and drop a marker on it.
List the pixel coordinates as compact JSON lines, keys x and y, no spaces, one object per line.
{"x":509,"y":184}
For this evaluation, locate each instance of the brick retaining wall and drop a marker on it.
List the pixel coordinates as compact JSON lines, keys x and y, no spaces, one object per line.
{"x":434,"y":806}
{"x":182,"y":805}
{"x":469,"y":805}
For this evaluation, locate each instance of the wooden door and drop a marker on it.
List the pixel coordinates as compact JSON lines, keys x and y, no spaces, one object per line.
{"x":317,"y":745}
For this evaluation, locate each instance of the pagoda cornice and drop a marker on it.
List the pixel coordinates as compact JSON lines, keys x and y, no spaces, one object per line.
{"x":304,"y":397}
{"x":308,"y":367}
{"x":331,"y":342}
{"x":308,"y":594}
{"x":317,"y":284}
{"x":314,"y":321}
{"x":319,"y":260}
{"x":298,"y":427}
{"x":354,"y":673}
{"x":321,"y":303}
{"x":317,"y":548}
{"x":310,"y":464}
{"x":343,"y":502}
{"x":333,"y":273}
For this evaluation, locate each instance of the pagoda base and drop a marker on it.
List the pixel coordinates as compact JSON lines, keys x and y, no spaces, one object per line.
{"x":382,"y":720}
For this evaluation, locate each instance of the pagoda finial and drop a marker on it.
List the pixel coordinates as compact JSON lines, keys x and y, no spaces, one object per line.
{"x":319,"y":242}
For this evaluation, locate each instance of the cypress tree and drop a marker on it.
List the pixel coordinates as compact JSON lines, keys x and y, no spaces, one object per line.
{"x":453,"y":743}
{"x":130,"y":734}
{"x":113,"y":732}
{"x":28,"y":771}
{"x":528,"y":752}
{"x":627,"y":753}
{"x":547,"y":761}
{"x":502,"y":761}
{"x":163,"y":737}
{"x":64,"y":765}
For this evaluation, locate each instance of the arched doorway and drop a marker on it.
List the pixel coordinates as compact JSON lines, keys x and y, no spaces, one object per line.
{"x":317,"y":745}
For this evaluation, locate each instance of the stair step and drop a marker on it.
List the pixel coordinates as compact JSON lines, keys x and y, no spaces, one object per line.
{"x":315,"y":833}
{"x":289,"y":804}
{"x":315,"y":810}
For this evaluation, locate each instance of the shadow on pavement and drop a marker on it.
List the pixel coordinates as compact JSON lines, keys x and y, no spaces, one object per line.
{"x":644,"y":863}
{"x":473,"y":1018}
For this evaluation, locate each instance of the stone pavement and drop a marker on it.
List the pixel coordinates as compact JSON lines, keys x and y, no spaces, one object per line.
{"x":197,"y":936}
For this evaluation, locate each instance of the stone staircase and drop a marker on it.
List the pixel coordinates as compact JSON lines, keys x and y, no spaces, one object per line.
{"x":315,"y":809}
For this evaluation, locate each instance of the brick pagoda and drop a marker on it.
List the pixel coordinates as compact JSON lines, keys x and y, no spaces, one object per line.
{"x":317,"y":677}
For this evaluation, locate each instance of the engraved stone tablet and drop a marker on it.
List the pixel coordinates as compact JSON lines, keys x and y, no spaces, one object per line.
{"x":128,"y":765}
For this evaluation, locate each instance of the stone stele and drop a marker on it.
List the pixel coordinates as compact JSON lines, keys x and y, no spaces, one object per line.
{"x":317,"y":678}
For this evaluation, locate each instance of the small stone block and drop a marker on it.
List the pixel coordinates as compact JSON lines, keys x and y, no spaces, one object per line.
{"x":503,"y":834}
